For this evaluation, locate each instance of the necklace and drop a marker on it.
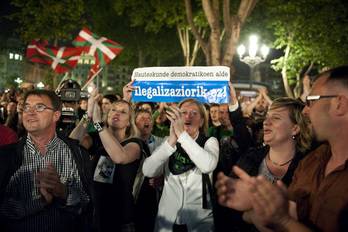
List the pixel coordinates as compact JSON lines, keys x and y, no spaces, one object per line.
{"x":269,"y":158}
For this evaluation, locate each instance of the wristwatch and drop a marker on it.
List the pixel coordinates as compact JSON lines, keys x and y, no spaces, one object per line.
{"x":98,"y":126}
{"x":86,"y":118}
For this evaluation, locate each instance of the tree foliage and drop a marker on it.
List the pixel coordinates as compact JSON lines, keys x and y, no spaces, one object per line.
{"x":49,"y":19}
{"x":312,"y":33}
{"x":145,"y":45}
{"x":158,"y":18}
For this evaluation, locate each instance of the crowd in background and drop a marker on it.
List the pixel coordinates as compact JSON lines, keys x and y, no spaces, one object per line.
{"x":169,"y":166}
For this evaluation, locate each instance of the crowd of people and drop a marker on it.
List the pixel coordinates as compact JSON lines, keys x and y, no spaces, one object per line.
{"x":246,"y":165}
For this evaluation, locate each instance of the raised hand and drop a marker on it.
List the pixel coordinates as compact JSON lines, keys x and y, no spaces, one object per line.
{"x":95,"y":97}
{"x":233,"y":96}
{"x":172,"y":136}
{"x":162,"y":106}
{"x":128,"y":89}
{"x":96,"y":112}
{"x":175,"y":117}
{"x":306,"y":84}
{"x":263,"y":92}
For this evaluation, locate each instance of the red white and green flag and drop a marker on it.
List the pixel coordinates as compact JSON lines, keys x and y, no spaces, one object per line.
{"x":61,"y":59}
{"x":103,"y":49}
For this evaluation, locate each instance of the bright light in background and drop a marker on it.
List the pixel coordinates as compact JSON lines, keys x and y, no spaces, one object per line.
{"x":40,"y":85}
{"x":241,"y":50}
{"x":90,"y":89}
{"x":253,"y":39}
{"x":18,"y":80}
{"x":252,"y":60}
{"x":252,"y":50}
{"x":264,"y":50}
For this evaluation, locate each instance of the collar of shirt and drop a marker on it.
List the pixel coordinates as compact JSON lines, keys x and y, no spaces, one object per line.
{"x":150,"y":140}
{"x":51,"y":145}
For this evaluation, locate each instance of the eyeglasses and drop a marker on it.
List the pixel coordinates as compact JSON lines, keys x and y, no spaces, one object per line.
{"x":37,"y":108}
{"x":317,"y":97}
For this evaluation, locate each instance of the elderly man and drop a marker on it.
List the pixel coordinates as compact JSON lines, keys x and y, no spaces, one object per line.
{"x":318,"y":192}
{"x":44,"y":177}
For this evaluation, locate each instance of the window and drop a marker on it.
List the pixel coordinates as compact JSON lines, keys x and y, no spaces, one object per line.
{"x":11,"y":56}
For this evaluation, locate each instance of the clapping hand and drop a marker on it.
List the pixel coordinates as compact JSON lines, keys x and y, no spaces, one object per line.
{"x":175,"y":117}
{"x":48,"y":181}
{"x":234,"y":193}
{"x":92,"y":100}
{"x":270,"y":202}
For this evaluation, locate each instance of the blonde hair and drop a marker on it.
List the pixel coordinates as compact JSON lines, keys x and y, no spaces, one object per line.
{"x":295,"y":107}
{"x":132,"y":130}
{"x":204,"y":128}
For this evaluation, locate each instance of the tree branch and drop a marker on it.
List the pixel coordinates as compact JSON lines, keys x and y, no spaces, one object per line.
{"x":205,"y":46}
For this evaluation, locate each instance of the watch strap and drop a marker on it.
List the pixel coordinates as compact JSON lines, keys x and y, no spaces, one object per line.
{"x":87,"y":118}
{"x":98,"y":126}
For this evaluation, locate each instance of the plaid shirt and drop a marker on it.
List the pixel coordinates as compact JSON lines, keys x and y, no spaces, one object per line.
{"x":21,"y":205}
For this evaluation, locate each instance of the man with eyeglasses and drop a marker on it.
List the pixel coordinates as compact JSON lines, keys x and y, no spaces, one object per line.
{"x":44,"y":177}
{"x":318,"y":193}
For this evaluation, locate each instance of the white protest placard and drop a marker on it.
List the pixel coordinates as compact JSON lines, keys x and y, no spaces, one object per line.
{"x":207,"y":84}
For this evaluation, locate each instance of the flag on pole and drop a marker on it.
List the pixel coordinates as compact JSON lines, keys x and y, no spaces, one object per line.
{"x":103,"y":49}
{"x":61,"y":59}
{"x":95,"y":68}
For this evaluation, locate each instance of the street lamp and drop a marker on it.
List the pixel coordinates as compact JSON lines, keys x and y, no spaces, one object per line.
{"x":252,"y":60}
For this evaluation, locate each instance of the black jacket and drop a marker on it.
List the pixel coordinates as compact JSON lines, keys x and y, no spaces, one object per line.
{"x":11,"y":157}
{"x":251,"y":161}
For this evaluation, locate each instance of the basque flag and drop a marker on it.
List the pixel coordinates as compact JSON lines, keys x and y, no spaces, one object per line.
{"x":61,"y":59}
{"x":103,"y":49}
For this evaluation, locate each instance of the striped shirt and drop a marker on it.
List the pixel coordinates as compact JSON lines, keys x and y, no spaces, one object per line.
{"x":22,"y":207}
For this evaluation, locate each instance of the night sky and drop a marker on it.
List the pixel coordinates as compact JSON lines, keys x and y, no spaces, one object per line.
{"x":7,"y":27}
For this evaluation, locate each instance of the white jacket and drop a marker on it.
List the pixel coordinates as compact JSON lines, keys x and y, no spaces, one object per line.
{"x":181,"y":200}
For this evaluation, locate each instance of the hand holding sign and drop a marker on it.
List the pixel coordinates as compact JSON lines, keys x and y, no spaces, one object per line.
{"x":128,"y":89}
{"x":233,"y":96}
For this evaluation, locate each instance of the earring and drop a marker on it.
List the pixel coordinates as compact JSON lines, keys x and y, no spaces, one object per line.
{"x":293,"y":137}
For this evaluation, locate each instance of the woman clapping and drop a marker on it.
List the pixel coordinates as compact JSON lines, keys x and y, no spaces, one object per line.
{"x":184,"y":157}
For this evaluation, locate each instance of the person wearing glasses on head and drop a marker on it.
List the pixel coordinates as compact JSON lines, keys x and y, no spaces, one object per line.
{"x":44,"y":180}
